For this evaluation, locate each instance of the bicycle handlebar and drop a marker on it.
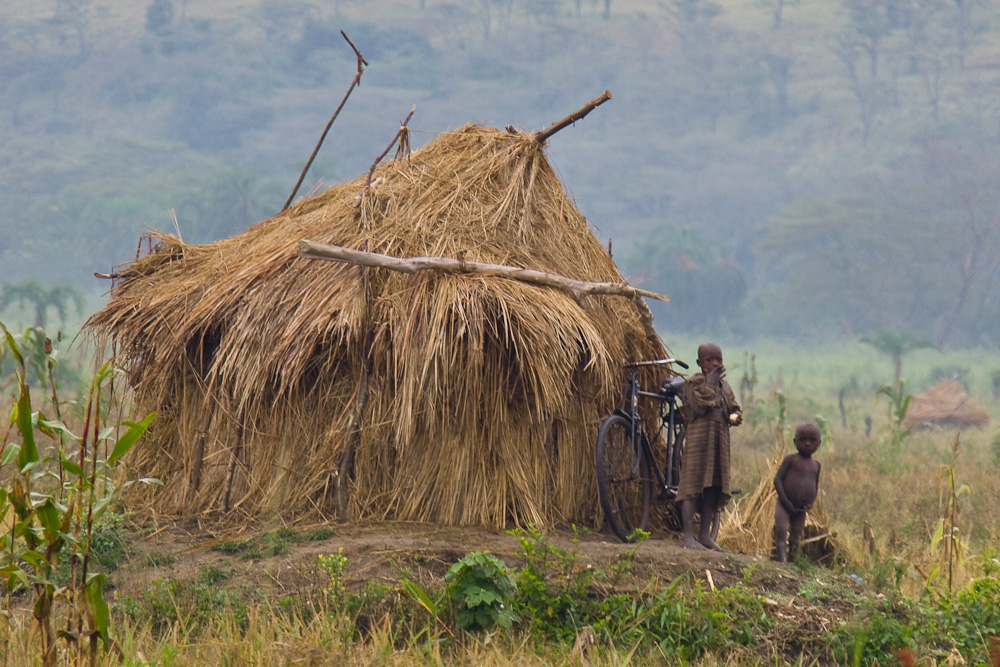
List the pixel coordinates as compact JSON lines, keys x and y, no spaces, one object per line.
{"x":657,"y":362}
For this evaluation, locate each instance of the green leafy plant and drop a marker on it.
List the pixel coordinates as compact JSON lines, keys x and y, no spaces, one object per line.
{"x":898,"y":404}
{"x":482,"y":590}
{"x":57,"y":502}
{"x":335,"y":566}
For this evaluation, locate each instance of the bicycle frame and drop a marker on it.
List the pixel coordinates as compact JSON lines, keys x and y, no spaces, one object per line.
{"x":664,"y":481}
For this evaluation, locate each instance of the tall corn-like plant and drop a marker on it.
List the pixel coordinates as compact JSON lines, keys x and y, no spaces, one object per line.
{"x":898,"y":404}
{"x":54,"y":514}
{"x":946,"y":545}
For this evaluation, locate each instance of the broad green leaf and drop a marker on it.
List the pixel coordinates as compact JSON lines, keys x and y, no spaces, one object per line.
{"x":420,"y":596}
{"x":18,"y":575}
{"x":98,"y":605}
{"x":29,"y":452}
{"x":53,"y":427}
{"x":10,"y":453}
{"x":32,"y":557}
{"x":102,"y":506}
{"x":71,"y":467}
{"x":103,"y":373}
{"x":12,"y":345}
{"x":48,"y":515}
{"x":135,"y":431}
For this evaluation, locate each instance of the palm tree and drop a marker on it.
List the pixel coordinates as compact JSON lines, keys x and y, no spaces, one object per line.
{"x":41,"y":298}
{"x":896,"y":345}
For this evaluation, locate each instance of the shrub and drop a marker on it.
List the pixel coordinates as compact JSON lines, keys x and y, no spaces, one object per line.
{"x":482,"y":589}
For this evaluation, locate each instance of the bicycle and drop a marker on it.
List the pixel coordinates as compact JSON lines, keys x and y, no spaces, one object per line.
{"x":626,"y":466}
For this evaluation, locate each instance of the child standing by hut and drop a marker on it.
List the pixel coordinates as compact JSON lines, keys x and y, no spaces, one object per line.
{"x":797,"y":484}
{"x":708,"y":409}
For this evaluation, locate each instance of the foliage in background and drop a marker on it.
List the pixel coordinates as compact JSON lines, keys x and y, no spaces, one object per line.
{"x":819,"y":148}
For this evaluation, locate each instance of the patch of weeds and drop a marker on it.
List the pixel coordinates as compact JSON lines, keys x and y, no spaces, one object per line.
{"x":744,"y":609}
{"x":273,"y":543}
{"x":154,"y":559}
{"x":188,"y":604}
{"x":966,"y":619}
{"x":110,"y":542}
{"x":232,"y":547}
{"x":253,"y":552}
{"x":553,"y":590}
{"x":320,"y":534}
{"x":212,"y":575}
{"x":277,"y":543}
{"x":886,"y":574}
{"x":369,"y":607}
{"x":815,"y":591}
{"x":874,"y":638}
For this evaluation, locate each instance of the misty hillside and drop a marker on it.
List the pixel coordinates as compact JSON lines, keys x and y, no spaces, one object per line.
{"x":803,"y":168}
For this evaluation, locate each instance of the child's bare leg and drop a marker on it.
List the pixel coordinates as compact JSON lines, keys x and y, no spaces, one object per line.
{"x":781,"y":524}
{"x":709,"y":506}
{"x":687,"y":524}
{"x":798,"y":525}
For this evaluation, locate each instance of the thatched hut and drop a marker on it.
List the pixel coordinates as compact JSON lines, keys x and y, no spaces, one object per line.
{"x":477,"y":397}
{"x":946,"y":404}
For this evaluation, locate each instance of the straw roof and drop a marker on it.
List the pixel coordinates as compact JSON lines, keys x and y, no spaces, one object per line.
{"x":484,"y":394}
{"x":946,"y":404}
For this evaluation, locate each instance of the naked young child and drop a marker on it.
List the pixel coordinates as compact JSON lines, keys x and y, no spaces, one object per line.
{"x":797,"y":484}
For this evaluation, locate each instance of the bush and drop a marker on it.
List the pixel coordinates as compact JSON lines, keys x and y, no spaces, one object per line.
{"x":482,"y":589}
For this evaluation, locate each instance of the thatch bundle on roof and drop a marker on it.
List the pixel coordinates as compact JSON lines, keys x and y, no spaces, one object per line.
{"x":484,"y":394}
{"x":946,"y":404}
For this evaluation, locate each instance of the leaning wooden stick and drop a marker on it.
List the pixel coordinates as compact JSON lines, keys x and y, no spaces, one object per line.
{"x":542,"y":135}
{"x":578,"y":289}
{"x":354,"y":83}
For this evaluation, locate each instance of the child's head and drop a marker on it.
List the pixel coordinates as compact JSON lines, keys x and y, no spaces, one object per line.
{"x":807,"y":438}
{"x":709,"y":357}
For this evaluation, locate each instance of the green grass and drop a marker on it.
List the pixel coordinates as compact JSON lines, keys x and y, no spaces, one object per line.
{"x":821,"y":371}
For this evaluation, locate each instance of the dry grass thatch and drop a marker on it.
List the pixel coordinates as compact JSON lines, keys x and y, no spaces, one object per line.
{"x":484,"y":395}
{"x":946,"y":404}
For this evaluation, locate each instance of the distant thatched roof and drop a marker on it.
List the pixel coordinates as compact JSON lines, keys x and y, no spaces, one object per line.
{"x":484,"y":394}
{"x":946,"y":404}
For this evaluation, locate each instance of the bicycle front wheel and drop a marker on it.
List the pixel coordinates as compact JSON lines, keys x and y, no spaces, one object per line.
{"x":624,"y":478}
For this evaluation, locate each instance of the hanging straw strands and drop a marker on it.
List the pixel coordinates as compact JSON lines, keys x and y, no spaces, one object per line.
{"x":485,"y":393}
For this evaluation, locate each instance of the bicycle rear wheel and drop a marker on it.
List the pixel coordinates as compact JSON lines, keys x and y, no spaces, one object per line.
{"x":624,"y":478}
